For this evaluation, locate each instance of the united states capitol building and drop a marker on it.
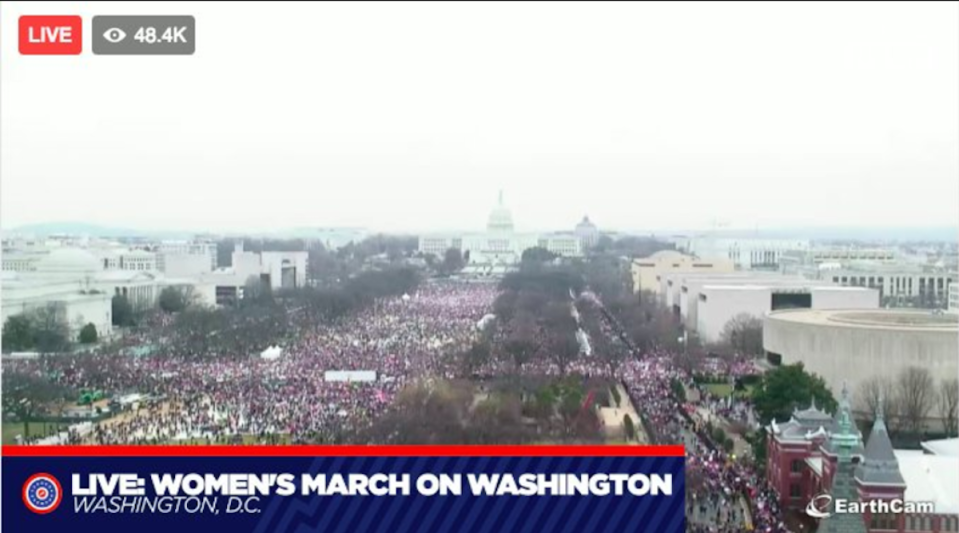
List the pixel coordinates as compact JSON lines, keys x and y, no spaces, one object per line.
{"x":500,"y":247}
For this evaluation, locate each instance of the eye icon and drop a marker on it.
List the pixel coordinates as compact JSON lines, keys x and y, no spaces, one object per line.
{"x":114,"y":35}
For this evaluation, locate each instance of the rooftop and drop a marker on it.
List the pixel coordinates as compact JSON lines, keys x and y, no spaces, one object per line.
{"x":945,"y":447}
{"x":886,"y":319}
{"x":931,"y":478}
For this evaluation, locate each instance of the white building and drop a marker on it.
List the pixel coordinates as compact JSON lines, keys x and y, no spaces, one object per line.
{"x":859,"y":344}
{"x":679,"y":290}
{"x":75,"y":280}
{"x":648,"y":272}
{"x":279,"y":270}
{"x":500,"y":246}
{"x":719,"y":303}
{"x":587,"y":232}
{"x":746,"y":253}
{"x":954,"y":295}
{"x":332,"y":238}
{"x":898,"y":283}
{"x":182,"y":253}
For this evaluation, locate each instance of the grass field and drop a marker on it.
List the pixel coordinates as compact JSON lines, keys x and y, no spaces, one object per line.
{"x":725,"y":389}
{"x":12,"y":429}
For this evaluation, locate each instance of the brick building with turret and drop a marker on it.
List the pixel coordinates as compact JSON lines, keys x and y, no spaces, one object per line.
{"x":815,"y":453}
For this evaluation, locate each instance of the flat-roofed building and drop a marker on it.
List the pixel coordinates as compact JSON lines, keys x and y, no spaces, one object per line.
{"x":718,"y":304}
{"x":649,"y":271}
{"x":860,"y":344}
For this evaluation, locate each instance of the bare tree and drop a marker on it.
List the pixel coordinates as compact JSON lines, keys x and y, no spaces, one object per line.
{"x":949,"y":405}
{"x":880,"y":391}
{"x":744,"y":334}
{"x":563,"y":349}
{"x":917,"y":393}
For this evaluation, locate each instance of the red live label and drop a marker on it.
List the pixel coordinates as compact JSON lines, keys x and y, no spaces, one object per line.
{"x":51,"y":35}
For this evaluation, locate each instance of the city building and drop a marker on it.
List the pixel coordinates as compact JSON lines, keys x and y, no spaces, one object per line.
{"x":898,"y":285}
{"x":76,"y":281}
{"x":173,"y":256}
{"x":277,"y":270}
{"x":331,"y":238}
{"x":834,"y":254}
{"x":719,"y":303}
{"x":953,"y":304}
{"x":500,"y":247}
{"x":745,"y":253}
{"x":649,"y":271}
{"x":587,"y":232}
{"x":864,"y":343}
{"x":672,"y":284}
{"x":814,"y":453}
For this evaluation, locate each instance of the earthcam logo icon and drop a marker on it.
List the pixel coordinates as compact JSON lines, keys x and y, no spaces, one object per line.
{"x":42,"y":493}
{"x":818,"y":506}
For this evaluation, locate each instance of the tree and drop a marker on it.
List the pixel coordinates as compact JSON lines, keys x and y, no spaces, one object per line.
{"x":88,"y":334}
{"x":788,"y":387}
{"x":176,"y":299}
{"x":504,"y":307}
{"x":628,"y":427}
{"x":949,"y":405}
{"x":520,"y":345}
{"x":51,"y":333}
{"x":256,"y":291}
{"x":452,"y":261}
{"x":474,"y":358}
{"x":122,"y":311}
{"x":535,"y":258}
{"x":744,"y":334}
{"x":27,"y":396}
{"x":17,"y":334}
{"x":563,"y":349}
{"x":916,"y":394}
{"x":877,"y":392}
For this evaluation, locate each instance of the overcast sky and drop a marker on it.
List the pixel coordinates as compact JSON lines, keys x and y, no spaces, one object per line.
{"x":412,"y":116}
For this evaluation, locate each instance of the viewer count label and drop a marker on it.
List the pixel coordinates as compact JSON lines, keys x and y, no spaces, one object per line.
{"x":51,"y":35}
{"x":144,"y":35}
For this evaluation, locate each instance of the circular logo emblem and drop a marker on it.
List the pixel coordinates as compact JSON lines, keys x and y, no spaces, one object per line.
{"x":42,"y":493}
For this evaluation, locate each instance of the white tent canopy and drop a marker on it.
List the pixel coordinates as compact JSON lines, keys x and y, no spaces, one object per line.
{"x":272,"y":353}
{"x":485,"y":322}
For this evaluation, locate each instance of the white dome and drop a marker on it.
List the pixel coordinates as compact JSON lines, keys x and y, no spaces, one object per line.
{"x":500,"y":218}
{"x":69,"y":260}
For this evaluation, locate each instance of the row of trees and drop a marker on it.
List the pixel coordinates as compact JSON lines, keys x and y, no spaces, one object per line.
{"x":327,"y":267}
{"x":910,"y":398}
{"x":512,"y":412}
{"x":534,"y":314}
{"x":263,"y":317}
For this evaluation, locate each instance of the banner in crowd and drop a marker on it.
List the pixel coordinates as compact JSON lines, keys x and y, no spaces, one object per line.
{"x":395,"y":489}
{"x":364,"y":376}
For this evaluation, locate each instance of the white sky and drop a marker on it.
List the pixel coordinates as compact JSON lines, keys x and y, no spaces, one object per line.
{"x":411,"y":116}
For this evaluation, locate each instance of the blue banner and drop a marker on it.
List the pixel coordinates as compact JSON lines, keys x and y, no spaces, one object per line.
{"x":540,"y":491}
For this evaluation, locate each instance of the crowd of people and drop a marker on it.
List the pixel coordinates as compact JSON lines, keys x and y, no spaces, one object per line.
{"x":726,"y":495}
{"x":288,"y":399}
{"x":217,"y":399}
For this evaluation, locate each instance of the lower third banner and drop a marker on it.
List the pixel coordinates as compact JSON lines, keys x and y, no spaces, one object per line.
{"x":389,"y":489}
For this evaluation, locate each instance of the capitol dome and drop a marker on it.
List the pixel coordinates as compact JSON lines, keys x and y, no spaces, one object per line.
{"x":500,"y":218}
{"x":69,"y":260}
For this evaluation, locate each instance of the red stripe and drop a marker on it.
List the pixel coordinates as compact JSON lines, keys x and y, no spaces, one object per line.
{"x":346,"y":451}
